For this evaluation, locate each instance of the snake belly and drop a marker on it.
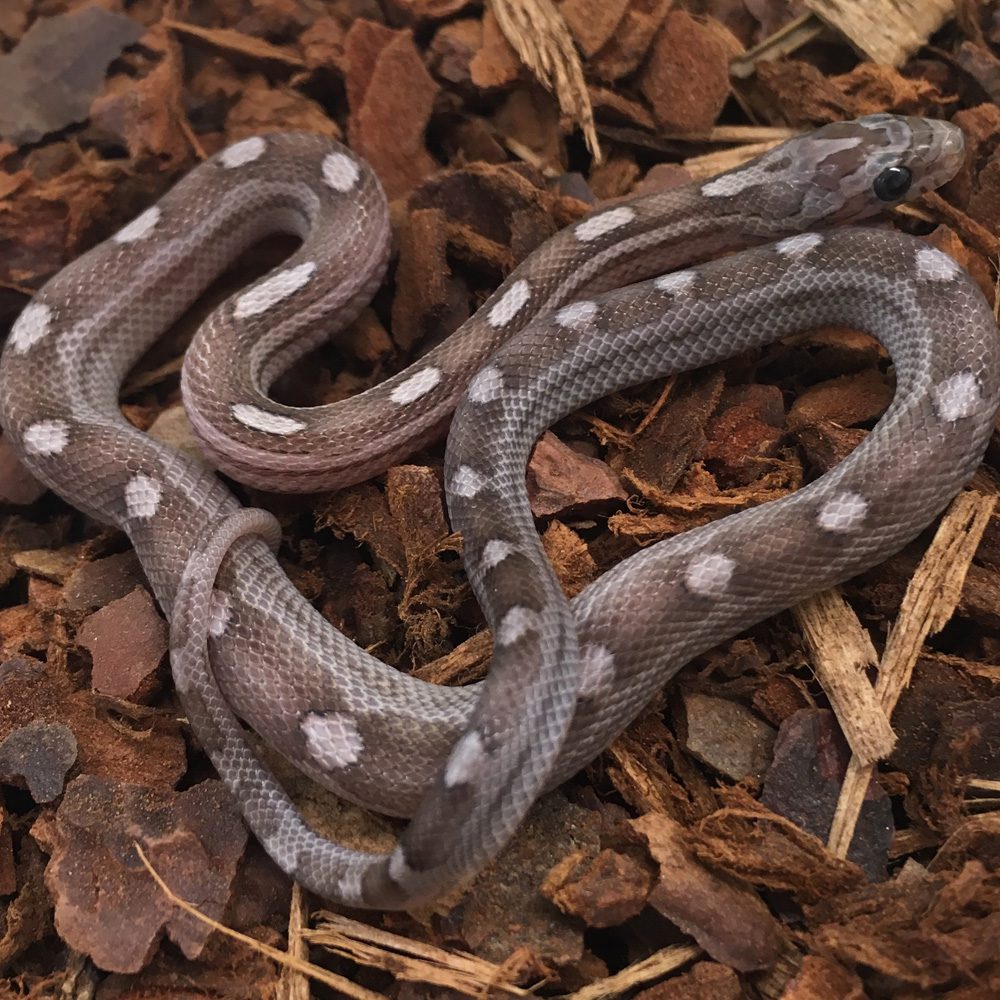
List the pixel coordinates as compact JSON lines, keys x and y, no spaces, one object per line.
{"x":466,"y":764}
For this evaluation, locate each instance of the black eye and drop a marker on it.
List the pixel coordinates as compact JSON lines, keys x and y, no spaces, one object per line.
{"x":892,"y":183}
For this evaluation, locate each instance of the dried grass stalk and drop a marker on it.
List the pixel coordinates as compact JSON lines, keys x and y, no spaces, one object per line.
{"x":540,"y":37}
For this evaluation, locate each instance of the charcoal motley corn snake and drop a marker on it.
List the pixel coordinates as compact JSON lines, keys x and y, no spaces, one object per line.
{"x":562,"y":330}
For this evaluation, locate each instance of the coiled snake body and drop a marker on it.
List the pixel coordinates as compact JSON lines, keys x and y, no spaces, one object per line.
{"x":561,"y":331}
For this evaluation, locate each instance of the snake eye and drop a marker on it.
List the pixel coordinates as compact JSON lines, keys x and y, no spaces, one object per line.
{"x":892,"y":183}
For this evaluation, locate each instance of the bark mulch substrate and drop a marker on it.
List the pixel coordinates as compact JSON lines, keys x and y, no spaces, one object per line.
{"x":737,"y":840}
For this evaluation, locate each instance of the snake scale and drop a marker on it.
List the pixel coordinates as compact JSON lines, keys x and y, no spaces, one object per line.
{"x":598,"y":307}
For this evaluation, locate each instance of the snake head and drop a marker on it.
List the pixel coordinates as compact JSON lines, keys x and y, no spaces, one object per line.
{"x":848,"y":171}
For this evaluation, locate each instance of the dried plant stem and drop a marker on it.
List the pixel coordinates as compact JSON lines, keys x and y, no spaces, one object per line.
{"x":409,"y":960}
{"x":841,"y":652}
{"x":539,"y":35}
{"x":929,"y":602}
{"x":656,"y":966}
{"x":287,"y":961}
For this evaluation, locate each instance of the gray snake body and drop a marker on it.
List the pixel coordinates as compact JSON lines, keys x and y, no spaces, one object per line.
{"x":566,"y":678}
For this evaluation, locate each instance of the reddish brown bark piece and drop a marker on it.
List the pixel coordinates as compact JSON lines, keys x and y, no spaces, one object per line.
{"x":686,"y":78}
{"x":561,"y":481}
{"x":704,"y":981}
{"x":8,"y":873}
{"x":262,"y":105}
{"x":603,"y":892}
{"x":802,"y":93}
{"x":433,"y":587}
{"x":425,"y":292}
{"x":34,"y":693}
{"x":746,"y":434}
{"x":58,"y":68}
{"x":505,"y":911}
{"x":430,"y":9}
{"x":662,"y":177}
{"x":727,"y":736}
{"x":675,"y":437}
{"x":99,"y":582}
{"x":593,"y":22}
{"x":147,"y":114}
{"x":224,"y":972}
{"x":414,"y":497}
{"x":804,"y":783}
{"x":819,"y":978}
{"x":42,"y":753}
{"x":984,"y":201}
{"x":362,"y":512}
{"x":827,"y":444}
{"x":982,"y":66}
{"x":728,"y":921}
{"x":529,"y":120}
{"x":127,"y":640}
{"x":570,"y":558}
{"x":453,"y":48}
{"x":17,"y":485}
{"x":27,"y":917}
{"x":751,"y":843}
{"x":322,"y":44}
{"x":52,"y":565}
{"x":945,"y":727}
{"x":633,"y":35}
{"x":496,"y":215}
{"x":22,"y":542}
{"x":107,"y":905}
{"x":924,"y":932}
{"x":496,"y":63}
{"x":846,"y":401}
{"x":391,"y":95}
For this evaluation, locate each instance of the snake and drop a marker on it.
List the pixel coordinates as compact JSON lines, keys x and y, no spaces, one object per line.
{"x":610,"y":301}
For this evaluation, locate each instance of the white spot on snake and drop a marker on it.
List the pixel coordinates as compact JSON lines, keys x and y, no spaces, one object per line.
{"x":332,"y":739}
{"x":677,"y":283}
{"x":843,"y":512}
{"x":340,"y":172}
{"x":398,"y":868}
{"x":515,"y":624}
{"x":708,"y":574}
{"x":576,"y":315}
{"x":466,"y":760}
{"x":273,"y":290}
{"x":799,"y":244}
{"x":47,"y":437}
{"x":140,"y":227}
{"x":510,"y":303}
{"x":607,"y":222}
{"x":219,"y":612}
{"x":31,"y":326}
{"x":466,"y":482}
{"x":830,"y":147}
{"x":933,"y":265}
{"x":349,"y":888}
{"x":597,"y":670}
{"x":958,"y":396}
{"x":495,"y":551}
{"x":417,"y":385}
{"x":261,"y":420}
{"x":731,"y":183}
{"x":241,"y":153}
{"x":142,"y":496}
{"x":486,"y":386}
